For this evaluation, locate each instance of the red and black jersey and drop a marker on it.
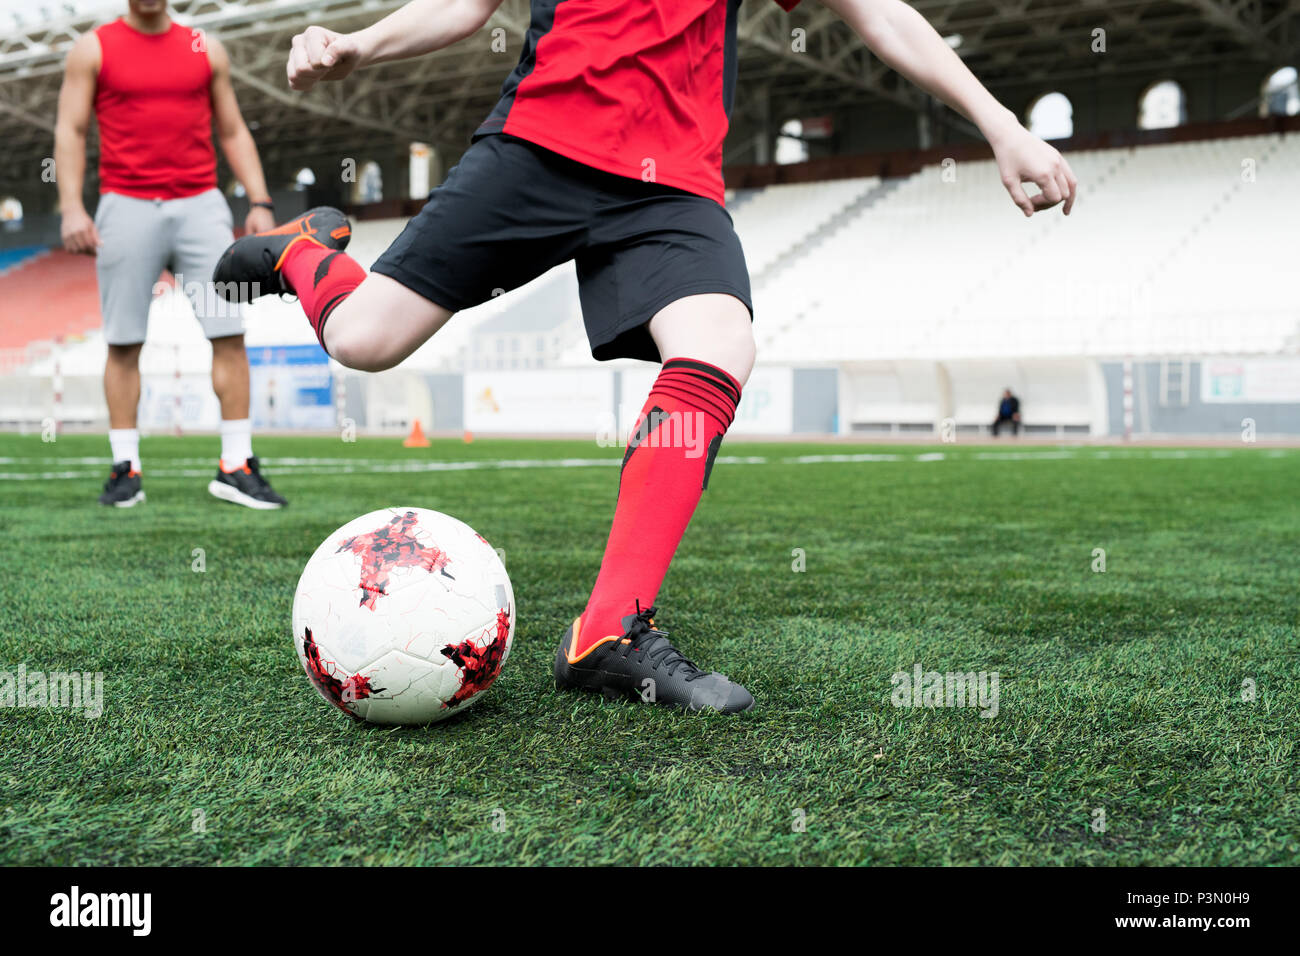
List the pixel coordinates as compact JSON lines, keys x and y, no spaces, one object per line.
{"x":639,"y":88}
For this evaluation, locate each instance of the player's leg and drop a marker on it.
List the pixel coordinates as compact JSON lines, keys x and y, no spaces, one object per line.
{"x":127,"y":266}
{"x":689,"y":270}
{"x":239,"y":478}
{"x":202,"y":228}
{"x":122,"y":392}
{"x":342,"y":303}
{"x":230,"y":382}
{"x":350,"y":334}
{"x":122,"y":387}
{"x":708,"y":350}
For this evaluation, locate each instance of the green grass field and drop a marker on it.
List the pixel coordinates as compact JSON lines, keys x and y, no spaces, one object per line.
{"x":1120,"y":691}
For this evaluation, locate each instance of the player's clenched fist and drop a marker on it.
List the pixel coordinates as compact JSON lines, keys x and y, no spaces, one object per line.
{"x":320,"y":54}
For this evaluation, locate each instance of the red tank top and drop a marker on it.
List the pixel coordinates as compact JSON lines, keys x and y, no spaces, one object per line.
{"x":153,"y":101}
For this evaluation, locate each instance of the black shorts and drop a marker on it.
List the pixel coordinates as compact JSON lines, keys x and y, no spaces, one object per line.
{"x":510,"y":210}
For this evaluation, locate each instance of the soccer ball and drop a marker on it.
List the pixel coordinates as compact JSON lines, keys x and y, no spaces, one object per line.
{"x":403,"y":616}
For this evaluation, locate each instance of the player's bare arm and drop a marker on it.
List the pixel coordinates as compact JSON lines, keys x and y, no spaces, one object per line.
{"x":236,"y":140}
{"x":76,"y":103}
{"x":420,"y":27}
{"x":906,"y":42}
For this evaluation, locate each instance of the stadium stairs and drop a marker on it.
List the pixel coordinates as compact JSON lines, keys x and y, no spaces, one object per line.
{"x":823,"y":232}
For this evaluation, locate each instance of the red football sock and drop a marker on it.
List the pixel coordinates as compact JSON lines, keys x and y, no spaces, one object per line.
{"x":665,"y":470}
{"x":321,"y":278}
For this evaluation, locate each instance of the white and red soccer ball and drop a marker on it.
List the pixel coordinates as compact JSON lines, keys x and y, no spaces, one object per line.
{"x":403,"y":616}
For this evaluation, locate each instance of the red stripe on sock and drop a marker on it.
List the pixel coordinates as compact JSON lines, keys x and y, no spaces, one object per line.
{"x":659,"y":489}
{"x":321,"y":278}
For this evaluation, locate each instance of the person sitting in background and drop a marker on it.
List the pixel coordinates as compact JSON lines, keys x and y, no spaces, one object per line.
{"x":1008,"y":411}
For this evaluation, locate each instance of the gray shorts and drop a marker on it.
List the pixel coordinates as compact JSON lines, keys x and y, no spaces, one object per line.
{"x":141,"y":238}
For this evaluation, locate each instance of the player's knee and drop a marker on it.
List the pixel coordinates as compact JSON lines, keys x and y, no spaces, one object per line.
{"x":228,"y":352}
{"x":742,"y":331}
{"x":732,"y":338}
{"x":228,"y":345}
{"x":124,"y":356}
{"x":363,"y":352}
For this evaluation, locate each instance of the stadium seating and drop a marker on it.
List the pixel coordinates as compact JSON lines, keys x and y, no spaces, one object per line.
{"x":1170,"y":250}
{"x":46,"y":295}
{"x":12,"y":258}
{"x":930,"y":292}
{"x":779,"y":217}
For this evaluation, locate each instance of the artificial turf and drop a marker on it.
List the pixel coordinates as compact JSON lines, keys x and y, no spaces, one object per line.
{"x":1120,"y":691}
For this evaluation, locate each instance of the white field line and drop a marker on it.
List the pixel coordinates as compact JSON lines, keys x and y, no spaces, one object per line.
{"x":1023,"y":455}
{"x":349,"y":466}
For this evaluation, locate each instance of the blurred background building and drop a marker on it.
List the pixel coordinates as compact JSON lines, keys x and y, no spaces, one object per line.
{"x":897,"y":290}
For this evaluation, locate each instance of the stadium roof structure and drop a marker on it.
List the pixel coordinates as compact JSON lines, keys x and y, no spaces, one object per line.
{"x":439,"y":99}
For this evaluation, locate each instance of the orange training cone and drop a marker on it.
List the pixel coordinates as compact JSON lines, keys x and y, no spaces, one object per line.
{"x":416,"y":439}
{"x":469,"y":437}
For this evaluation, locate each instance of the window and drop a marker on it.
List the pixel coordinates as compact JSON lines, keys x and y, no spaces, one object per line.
{"x":421,"y":165}
{"x":790,"y":147}
{"x":1051,"y":116}
{"x":370,"y":184}
{"x":1281,"y":94}
{"x":1162,"y":106}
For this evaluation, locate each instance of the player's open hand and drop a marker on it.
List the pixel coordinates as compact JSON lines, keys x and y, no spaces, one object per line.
{"x":79,"y":234}
{"x":1024,"y":158}
{"x":320,"y":54}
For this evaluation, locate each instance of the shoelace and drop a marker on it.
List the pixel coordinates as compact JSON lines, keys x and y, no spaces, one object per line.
{"x":650,"y":643}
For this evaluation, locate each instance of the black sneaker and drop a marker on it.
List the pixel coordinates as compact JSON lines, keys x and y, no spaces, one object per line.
{"x":245,"y":486}
{"x":250,"y":267}
{"x":122,"y":490}
{"x":642,"y":666}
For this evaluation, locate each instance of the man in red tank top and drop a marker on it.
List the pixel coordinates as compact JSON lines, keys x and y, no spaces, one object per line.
{"x":155,"y":88}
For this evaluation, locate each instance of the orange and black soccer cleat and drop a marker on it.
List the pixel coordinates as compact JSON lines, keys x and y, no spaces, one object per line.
{"x":643,"y":666}
{"x":122,"y":490}
{"x":245,"y":486}
{"x":250,"y":267}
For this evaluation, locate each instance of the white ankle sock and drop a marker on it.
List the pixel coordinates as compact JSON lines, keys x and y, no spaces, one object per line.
{"x":125,"y":443}
{"x":236,"y":442}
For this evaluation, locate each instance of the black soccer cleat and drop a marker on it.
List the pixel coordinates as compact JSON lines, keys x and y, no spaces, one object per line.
{"x":644,"y":667}
{"x":250,"y":266}
{"x":122,"y":490}
{"x":245,"y":486}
